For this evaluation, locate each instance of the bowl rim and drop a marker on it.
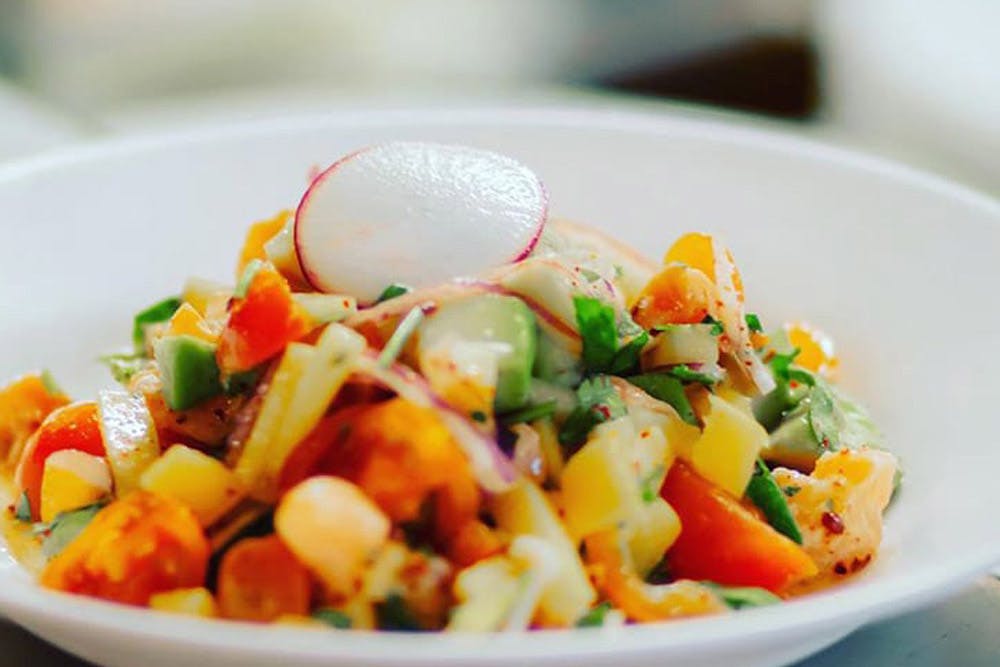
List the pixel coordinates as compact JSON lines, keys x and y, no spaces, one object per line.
{"x":834,"y":612}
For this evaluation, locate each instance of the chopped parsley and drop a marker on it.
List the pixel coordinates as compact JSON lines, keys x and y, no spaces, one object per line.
{"x":790,"y":491}
{"x":333,"y":617}
{"x":392,"y":291}
{"x":597,"y":402}
{"x":594,"y":618}
{"x":478,"y":416}
{"x":781,"y":366}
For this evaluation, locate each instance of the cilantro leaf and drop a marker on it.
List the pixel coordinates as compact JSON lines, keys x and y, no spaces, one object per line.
{"x":668,"y":389}
{"x":158,"y":312}
{"x":333,"y":617}
{"x":685,"y":373}
{"x":603,"y":348}
{"x":66,"y":527}
{"x":717,"y":327}
{"x":740,"y":597}
{"x":596,"y":322}
{"x":395,"y":614}
{"x":594,"y":618}
{"x":597,"y":402}
{"x":529,"y":413}
{"x":392,"y":291}
{"x":753,"y":323}
{"x":765,"y":493}
{"x":124,"y":365}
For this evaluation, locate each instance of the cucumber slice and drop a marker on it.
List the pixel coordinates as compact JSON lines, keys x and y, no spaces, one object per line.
{"x":490,"y":318}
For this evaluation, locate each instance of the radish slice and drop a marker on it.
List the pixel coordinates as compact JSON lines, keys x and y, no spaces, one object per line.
{"x":493,"y":470}
{"x":416,"y":214}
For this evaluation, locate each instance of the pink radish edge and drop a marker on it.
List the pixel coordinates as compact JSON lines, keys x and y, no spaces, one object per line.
{"x":300,"y":209}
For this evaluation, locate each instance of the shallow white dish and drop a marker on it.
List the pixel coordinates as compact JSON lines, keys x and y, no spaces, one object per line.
{"x":899,"y":267}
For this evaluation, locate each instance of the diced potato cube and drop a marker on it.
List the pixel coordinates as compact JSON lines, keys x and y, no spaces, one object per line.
{"x":72,"y":479}
{"x":727,"y":450}
{"x":524,"y":510}
{"x":195,"y":479}
{"x":189,"y":601}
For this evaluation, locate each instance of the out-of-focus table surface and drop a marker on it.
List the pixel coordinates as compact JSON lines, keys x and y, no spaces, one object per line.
{"x":961,"y":631}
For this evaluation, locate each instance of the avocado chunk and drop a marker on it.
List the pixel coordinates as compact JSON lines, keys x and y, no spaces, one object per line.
{"x":491,"y":318}
{"x":188,"y":369}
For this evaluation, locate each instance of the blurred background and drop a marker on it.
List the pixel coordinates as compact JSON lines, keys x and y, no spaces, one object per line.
{"x":918,"y":80}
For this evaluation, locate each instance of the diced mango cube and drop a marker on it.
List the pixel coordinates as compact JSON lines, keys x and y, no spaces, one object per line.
{"x":727,"y":450}
{"x":206,"y":486}
{"x":72,"y":479}
{"x":187,"y":321}
{"x":189,"y":601}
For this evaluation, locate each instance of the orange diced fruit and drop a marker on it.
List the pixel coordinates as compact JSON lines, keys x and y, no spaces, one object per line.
{"x":816,"y":351}
{"x":261,"y":580}
{"x":678,"y":294}
{"x":257,"y":236}
{"x":188,"y":322}
{"x":74,"y":426}
{"x":24,"y":404}
{"x":262,"y":323}
{"x":135,"y":547}
{"x":722,"y":541}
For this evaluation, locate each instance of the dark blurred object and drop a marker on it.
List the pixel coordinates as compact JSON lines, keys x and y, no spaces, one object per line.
{"x":770,"y":75}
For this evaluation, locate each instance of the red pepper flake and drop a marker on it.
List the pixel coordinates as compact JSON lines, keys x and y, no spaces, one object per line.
{"x":833,"y":523}
{"x":604,"y":411}
{"x":347,"y":304}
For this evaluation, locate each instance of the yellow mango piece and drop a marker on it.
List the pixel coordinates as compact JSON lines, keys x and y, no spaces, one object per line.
{"x":654,"y":532}
{"x":728,"y":447}
{"x":72,"y":479}
{"x":599,"y":488}
{"x":188,"y":322}
{"x":524,"y":510}
{"x":189,"y":601}
{"x":206,"y":486}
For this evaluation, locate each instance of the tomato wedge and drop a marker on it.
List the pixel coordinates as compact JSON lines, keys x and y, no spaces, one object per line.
{"x":74,"y":426}
{"x":722,"y":541}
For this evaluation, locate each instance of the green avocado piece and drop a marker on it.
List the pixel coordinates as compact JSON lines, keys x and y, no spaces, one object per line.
{"x":188,"y":369}
{"x":556,"y":364}
{"x":492,"y":318}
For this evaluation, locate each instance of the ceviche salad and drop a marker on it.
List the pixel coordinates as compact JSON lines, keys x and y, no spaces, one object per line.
{"x":424,"y":406}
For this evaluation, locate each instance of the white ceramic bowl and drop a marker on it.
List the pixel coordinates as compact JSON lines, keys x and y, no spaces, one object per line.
{"x":899,"y":267}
